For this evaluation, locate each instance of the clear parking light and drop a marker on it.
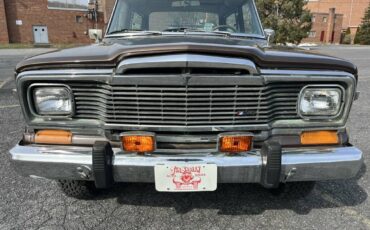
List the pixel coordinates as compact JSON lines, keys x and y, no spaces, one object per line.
{"x":55,"y":101}
{"x":325,"y":102}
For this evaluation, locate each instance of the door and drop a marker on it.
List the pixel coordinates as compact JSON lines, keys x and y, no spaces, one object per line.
{"x":40,"y":34}
{"x":322,"y":37}
{"x":332,"y":37}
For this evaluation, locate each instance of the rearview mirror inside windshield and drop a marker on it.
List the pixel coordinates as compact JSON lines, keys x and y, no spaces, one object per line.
{"x":185,"y":3}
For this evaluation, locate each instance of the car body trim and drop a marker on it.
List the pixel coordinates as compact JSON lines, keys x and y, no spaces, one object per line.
{"x":187,"y":61}
{"x":309,"y":163}
{"x":107,"y":76}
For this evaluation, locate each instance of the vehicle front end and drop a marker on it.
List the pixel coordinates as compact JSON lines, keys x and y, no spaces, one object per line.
{"x":185,"y":109}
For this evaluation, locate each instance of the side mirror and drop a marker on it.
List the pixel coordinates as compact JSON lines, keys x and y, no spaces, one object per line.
{"x":96,"y":35}
{"x":270,"y":33}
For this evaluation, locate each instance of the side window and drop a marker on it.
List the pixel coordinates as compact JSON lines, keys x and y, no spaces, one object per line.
{"x":136,"y":21}
{"x":121,"y":19}
{"x":231,"y":20}
{"x":248,"y":19}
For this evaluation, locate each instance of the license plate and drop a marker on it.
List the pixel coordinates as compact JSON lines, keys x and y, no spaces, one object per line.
{"x":185,"y":177}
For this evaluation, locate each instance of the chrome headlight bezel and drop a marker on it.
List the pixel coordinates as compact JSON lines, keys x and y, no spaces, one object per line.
{"x":338,"y":88}
{"x":56,"y":114}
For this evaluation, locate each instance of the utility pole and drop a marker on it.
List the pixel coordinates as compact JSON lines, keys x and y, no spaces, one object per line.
{"x":277,"y":8}
{"x":349,"y":23}
{"x":93,"y":11}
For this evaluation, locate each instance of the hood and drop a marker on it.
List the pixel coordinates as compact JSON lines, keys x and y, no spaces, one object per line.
{"x":109,"y":53}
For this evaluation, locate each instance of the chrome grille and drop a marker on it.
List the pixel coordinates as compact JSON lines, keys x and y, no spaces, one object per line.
{"x":186,"y":105}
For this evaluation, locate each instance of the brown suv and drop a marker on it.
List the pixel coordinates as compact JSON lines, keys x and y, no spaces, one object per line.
{"x":186,"y":94}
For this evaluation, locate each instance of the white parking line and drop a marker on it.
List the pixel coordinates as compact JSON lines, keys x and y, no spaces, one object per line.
{"x":5,"y":82}
{"x":8,"y":106}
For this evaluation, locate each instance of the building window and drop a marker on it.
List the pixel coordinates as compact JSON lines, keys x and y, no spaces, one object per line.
{"x":324,"y":19}
{"x":79,"y":19}
{"x":312,"y":34}
{"x":313,"y":19}
{"x":68,"y":4}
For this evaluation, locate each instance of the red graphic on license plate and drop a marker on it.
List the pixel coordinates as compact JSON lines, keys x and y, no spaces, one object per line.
{"x":186,"y":178}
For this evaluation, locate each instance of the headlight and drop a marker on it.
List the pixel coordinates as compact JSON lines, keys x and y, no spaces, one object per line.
{"x":318,"y":102}
{"x":52,"y":100}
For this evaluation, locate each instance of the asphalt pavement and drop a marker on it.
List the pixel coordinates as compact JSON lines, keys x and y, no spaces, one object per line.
{"x":27,"y":203}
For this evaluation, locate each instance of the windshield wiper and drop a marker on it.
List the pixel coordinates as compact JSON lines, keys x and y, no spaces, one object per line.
{"x":123,"y":31}
{"x":240,"y":35}
{"x":187,"y":29}
{"x":134,"y":32}
{"x":225,"y":33}
{"x":183,"y":29}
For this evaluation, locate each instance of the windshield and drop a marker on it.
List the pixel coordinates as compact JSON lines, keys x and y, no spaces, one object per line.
{"x":205,"y":16}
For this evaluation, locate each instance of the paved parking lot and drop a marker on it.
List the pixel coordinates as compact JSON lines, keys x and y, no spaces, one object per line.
{"x":38,"y":204}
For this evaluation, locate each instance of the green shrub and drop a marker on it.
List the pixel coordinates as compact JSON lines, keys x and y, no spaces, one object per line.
{"x":289,"y":18}
{"x":363,"y":33}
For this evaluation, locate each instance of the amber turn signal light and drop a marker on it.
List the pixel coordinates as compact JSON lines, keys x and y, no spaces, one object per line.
{"x":138,"y":143}
{"x":319,"y":138}
{"x":56,"y":137}
{"x":235,"y":144}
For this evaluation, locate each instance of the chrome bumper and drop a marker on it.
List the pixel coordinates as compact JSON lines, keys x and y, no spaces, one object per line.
{"x":300,"y":164}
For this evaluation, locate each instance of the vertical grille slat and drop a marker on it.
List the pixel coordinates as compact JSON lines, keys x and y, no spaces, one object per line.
{"x":186,"y":105}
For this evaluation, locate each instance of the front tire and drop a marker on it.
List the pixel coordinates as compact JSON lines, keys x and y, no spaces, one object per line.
{"x":294,"y":190}
{"x":78,"y":189}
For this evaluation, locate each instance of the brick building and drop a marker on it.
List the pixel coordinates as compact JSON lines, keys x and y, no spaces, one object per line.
{"x":352,"y":10}
{"x":326,"y":28}
{"x":3,"y":24}
{"x":50,"y":21}
{"x":108,"y":6}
